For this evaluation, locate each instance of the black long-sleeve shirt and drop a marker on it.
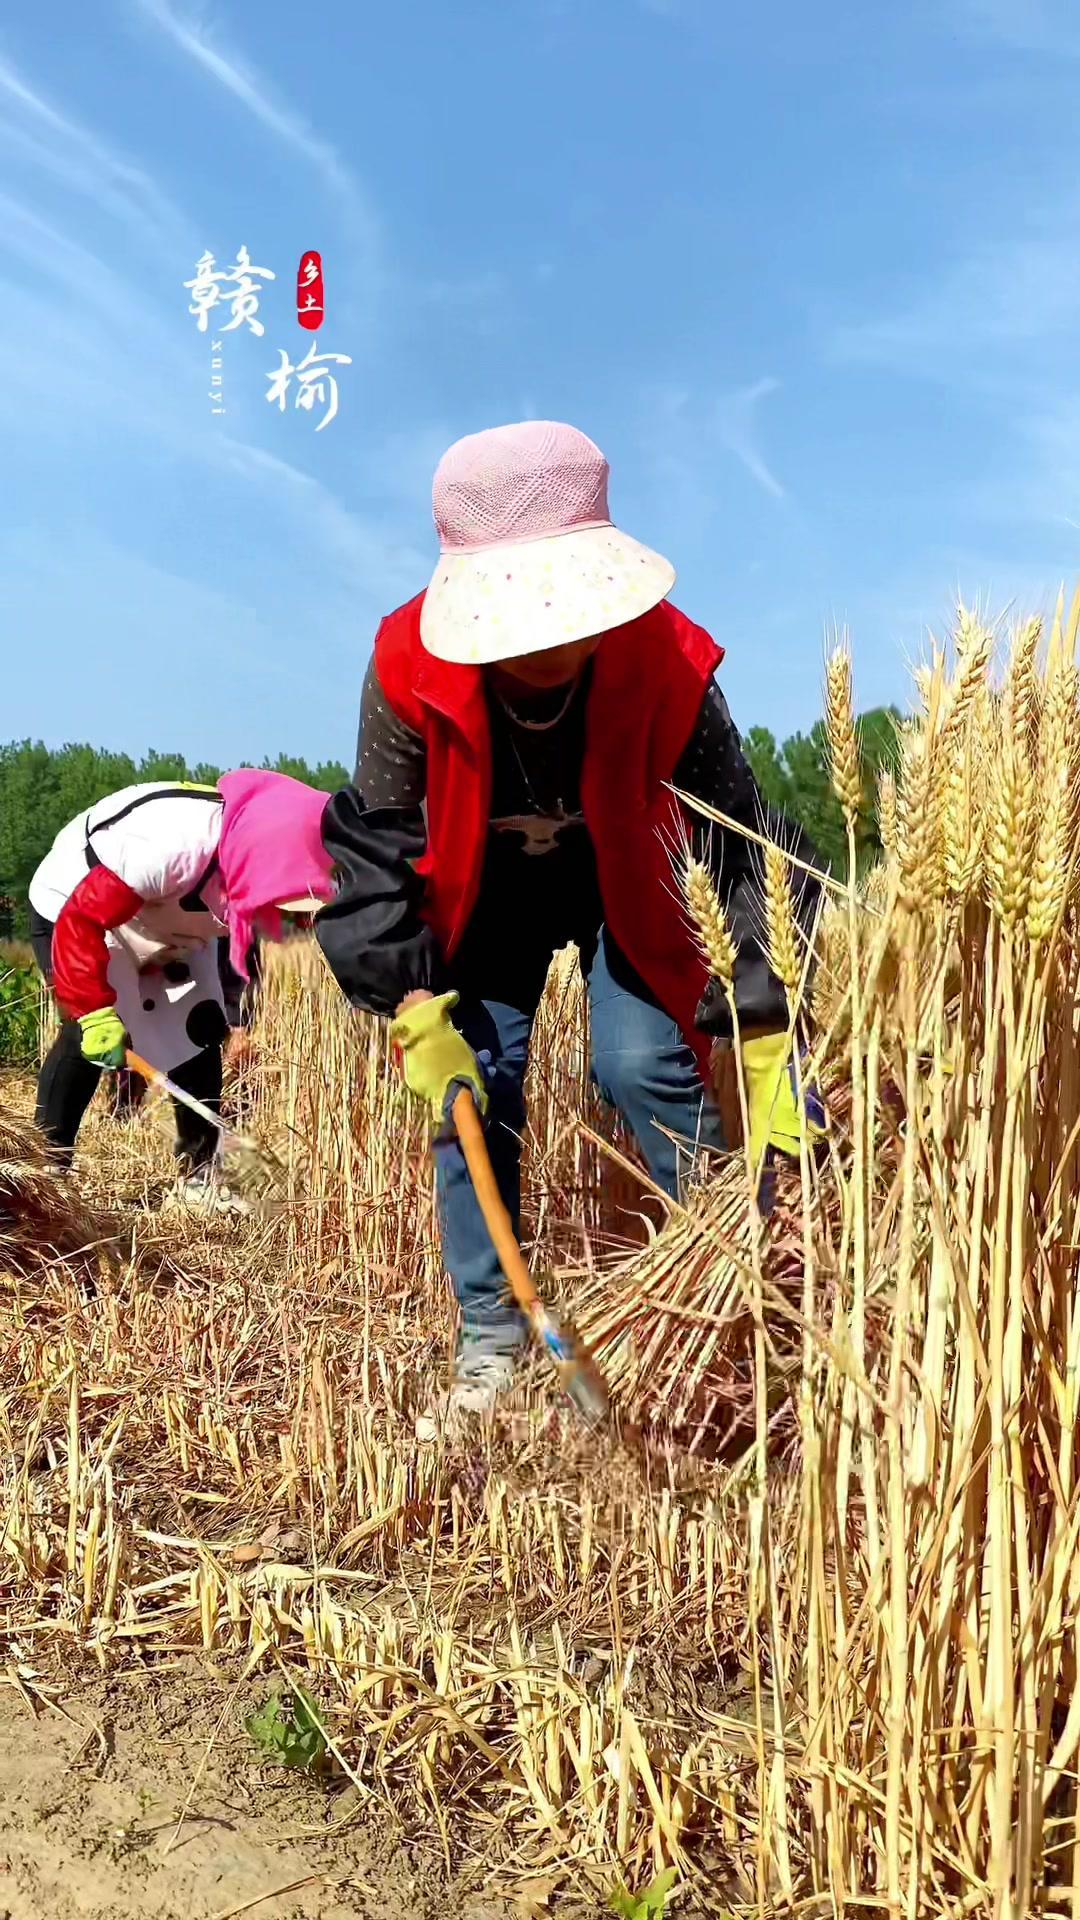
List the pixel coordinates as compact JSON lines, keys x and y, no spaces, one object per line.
{"x":539,"y":887}
{"x":239,"y":995}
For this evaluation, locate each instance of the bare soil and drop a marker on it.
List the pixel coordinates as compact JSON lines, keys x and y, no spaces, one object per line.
{"x":93,"y":1785}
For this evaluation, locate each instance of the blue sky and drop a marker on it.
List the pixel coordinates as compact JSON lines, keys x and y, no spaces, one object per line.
{"x":811,"y":277}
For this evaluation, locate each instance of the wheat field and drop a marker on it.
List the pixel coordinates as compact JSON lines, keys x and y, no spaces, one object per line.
{"x":803,"y":1625}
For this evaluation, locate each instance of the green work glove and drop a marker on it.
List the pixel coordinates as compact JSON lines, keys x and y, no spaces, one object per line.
{"x":777,"y":1117}
{"x":434,"y":1055}
{"x":103,"y":1037}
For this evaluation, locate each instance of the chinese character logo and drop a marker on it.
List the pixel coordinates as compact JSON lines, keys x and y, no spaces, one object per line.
{"x":312,"y":380}
{"x":310,"y":298}
{"x":210,"y":284}
{"x":316,"y":385}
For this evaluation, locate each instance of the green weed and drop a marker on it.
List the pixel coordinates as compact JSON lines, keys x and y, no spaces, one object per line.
{"x":287,"y":1733}
{"x":648,"y":1904}
{"x":20,"y":1016}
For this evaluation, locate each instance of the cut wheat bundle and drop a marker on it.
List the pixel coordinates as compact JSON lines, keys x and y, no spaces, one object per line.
{"x":43,"y":1219}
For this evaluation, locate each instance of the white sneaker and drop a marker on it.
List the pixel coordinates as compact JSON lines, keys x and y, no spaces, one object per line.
{"x":206,"y":1193}
{"x":481,"y":1374}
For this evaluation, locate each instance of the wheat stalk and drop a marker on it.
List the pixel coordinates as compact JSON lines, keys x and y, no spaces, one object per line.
{"x":1024,"y":685}
{"x":1011,"y":812}
{"x":962,"y":802}
{"x":1055,"y":826}
{"x":886,"y":811}
{"x":844,"y":759}
{"x":973,"y":649}
{"x":709,"y":919}
{"x":784,"y":941}
{"x":918,"y":844}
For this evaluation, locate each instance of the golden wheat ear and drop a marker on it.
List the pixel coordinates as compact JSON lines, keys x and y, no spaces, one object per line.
{"x":708,"y":919}
{"x":845,"y":765}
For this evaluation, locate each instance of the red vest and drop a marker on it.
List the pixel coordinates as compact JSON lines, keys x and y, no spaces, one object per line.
{"x":649,"y":680}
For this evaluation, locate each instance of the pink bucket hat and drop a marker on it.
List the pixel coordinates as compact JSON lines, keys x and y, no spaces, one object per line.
{"x":529,"y":556}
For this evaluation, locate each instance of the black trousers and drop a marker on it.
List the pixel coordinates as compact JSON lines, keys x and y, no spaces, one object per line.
{"x":67,"y":1081}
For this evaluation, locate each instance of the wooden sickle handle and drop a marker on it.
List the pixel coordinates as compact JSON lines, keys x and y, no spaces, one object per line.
{"x":142,"y":1067}
{"x":155,"y":1078}
{"x":470,"y":1132}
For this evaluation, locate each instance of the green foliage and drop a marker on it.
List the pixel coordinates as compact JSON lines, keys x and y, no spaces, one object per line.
{"x":42,"y":788}
{"x":328,"y":776}
{"x":20,"y":1015}
{"x":794,"y":777}
{"x":643,"y":1906}
{"x":287,"y":1734}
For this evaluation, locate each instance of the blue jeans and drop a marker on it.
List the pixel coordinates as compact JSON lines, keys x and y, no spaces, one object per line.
{"x":642,"y":1066}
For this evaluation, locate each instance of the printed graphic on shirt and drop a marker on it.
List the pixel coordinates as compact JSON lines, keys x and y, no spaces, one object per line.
{"x":540,"y":831}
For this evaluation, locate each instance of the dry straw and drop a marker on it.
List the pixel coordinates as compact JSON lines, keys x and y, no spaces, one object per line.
{"x":928,"y":1553}
{"x":220,"y":1454}
{"x":44,"y":1224}
{"x":813,"y":1640}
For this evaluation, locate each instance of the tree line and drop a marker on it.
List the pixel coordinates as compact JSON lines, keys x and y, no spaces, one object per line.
{"x":42,"y":788}
{"x":794,"y":778}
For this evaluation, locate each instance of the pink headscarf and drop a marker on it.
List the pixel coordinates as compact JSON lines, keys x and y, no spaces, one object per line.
{"x":270,"y":850}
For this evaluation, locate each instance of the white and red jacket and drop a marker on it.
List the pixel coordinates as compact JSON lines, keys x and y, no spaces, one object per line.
{"x":137,"y":871}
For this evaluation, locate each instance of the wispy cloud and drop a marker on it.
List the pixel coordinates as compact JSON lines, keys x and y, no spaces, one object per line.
{"x":693,"y":442}
{"x":82,"y":384}
{"x":53,"y":257}
{"x":995,"y":336}
{"x":80,"y":159}
{"x":372,"y":554}
{"x":195,"y":618}
{"x":240,"y":79}
{"x":1028,"y":26}
{"x":85,"y":394}
{"x":479,"y":301}
{"x":470,"y":292}
{"x":736,"y":424}
{"x":1043,"y":481}
{"x":398,"y":464}
{"x":231,"y":71}
{"x":995,"y":301}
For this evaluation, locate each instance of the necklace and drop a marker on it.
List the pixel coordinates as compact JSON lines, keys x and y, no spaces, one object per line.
{"x":533,"y":726}
{"x":529,"y":788}
{"x":537,"y":726}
